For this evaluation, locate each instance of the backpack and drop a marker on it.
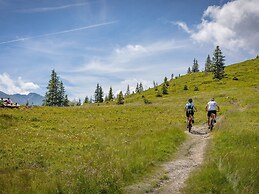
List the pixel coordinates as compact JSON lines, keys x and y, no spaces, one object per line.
{"x":190,"y":106}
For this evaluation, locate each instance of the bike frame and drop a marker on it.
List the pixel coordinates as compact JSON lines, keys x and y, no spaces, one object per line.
{"x":212,"y":117}
{"x":190,"y":122}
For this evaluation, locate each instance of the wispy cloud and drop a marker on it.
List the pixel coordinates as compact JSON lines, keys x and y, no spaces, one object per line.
{"x":60,"y":32}
{"x":183,"y":26}
{"x":47,"y":9}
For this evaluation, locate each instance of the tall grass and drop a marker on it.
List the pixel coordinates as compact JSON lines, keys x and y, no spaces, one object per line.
{"x":83,"y":150}
{"x":232,"y":162}
{"x":101,"y":149}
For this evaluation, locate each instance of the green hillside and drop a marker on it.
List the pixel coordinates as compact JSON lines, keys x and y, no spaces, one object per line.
{"x":232,"y":160}
{"x":102,"y":148}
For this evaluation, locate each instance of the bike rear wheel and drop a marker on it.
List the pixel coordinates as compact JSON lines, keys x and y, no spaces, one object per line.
{"x":189,"y":127}
{"x":211,"y":124}
{"x":190,"y":123}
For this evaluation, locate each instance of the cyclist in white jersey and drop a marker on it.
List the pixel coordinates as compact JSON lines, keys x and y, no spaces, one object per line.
{"x":212,"y":107}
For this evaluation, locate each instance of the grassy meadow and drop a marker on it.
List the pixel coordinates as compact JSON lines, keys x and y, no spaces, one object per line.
{"x":103,"y":148}
{"x":96,"y":149}
{"x":232,"y":162}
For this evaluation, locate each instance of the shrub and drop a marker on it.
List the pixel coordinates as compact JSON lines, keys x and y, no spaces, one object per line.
{"x":146,"y":101}
{"x":158,"y":93}
{"x":196,"y":88}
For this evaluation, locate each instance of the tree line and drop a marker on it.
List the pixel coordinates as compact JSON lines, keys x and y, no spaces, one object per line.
{"x":55,"y":96}
{"x":215,"y":65}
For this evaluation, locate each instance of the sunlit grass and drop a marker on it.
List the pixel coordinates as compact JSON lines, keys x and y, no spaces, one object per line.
{"x":101,"y":149}
{"x":232,"y":162}
{"x":94,"y":149}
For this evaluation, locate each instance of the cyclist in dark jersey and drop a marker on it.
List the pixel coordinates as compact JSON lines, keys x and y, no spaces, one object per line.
{"x":189,"y":109}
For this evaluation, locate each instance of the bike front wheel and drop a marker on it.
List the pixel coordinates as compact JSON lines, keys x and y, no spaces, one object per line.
{"x":211,"y":124}
{"x":189,"y":127}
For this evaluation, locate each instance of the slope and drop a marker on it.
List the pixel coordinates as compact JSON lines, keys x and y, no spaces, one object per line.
{"x":231,"y":162}
{"x":103,"y":148}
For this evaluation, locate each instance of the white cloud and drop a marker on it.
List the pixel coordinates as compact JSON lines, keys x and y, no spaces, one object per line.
{"x":128,"y":53}
{"x":131,"y":49}
{"x":234,"y":26}
{"x":11,"y":86}
{"x":126,"y":59}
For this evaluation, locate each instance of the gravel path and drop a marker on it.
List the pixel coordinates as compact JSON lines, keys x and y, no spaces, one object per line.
{"x":173,"y":174}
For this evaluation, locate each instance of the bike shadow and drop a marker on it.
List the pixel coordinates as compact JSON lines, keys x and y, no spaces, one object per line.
{"x":199,"y":132}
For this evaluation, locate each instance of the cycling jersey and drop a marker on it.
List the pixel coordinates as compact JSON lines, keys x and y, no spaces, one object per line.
{"x":189,"y":109}
{"x":189,"y":106}
{"x":212,"y":105}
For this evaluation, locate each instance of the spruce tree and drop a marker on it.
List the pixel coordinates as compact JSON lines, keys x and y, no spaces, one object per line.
{"x":166,"y":82}
{"x":120,"y":98}
{"x":137,"y":89}
{"x":61,"y":94}
{"x":98,"y":96}
{"x":208,"y":65}
{"x":86,"y":101}
{"x":55,"y":96}
{"x":189,"y":70}
{"x":79,"y":102}
{"x":195,"y":67}
{"x":155,"y":84}
{"x":218,"y":64}
{"x":164,"y":89}
{"x":110,"y":95}
{"x":51,"y":96}
{"x":141,"y":89}
{"x":66,"y":101}
{"x":127,"y":91}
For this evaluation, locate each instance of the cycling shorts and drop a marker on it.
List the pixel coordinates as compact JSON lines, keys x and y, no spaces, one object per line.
{"x":212,"y":111}
{"x":189,"y":112}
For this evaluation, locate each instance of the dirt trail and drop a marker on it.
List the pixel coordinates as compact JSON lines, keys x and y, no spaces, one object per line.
{"x":173,"y":174}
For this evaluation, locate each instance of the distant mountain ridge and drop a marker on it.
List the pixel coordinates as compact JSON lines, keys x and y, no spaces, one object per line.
{"x":22,"y":99}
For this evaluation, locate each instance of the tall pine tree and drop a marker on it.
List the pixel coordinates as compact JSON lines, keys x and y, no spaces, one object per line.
{"x":98,"y":95}
{"x":137,"y":89}
{"x":110,"y":95}
{"x":218,"y":64}
{"x":141,"y":89}
{"x":55,"y":96}
{"x":208,"y":65}
{"x":61,"y":94}
{"x":195,"y":67}
{"x":127,"y":91}
{"x":120,"y":98}
{"x":189,"y":70}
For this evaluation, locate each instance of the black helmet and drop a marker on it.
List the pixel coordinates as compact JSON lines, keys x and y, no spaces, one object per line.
{"x":190,"y":100}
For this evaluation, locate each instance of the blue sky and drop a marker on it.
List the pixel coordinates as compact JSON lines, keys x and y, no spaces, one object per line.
{"x":118,"y":42}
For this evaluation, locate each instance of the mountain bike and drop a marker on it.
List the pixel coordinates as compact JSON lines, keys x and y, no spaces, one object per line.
{"x":190,"y":120}
{"x":212,"y":121}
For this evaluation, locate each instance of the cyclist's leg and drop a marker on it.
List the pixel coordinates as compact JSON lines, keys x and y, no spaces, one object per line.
{"x":187,"y":117}
{"x":215,"y":113}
